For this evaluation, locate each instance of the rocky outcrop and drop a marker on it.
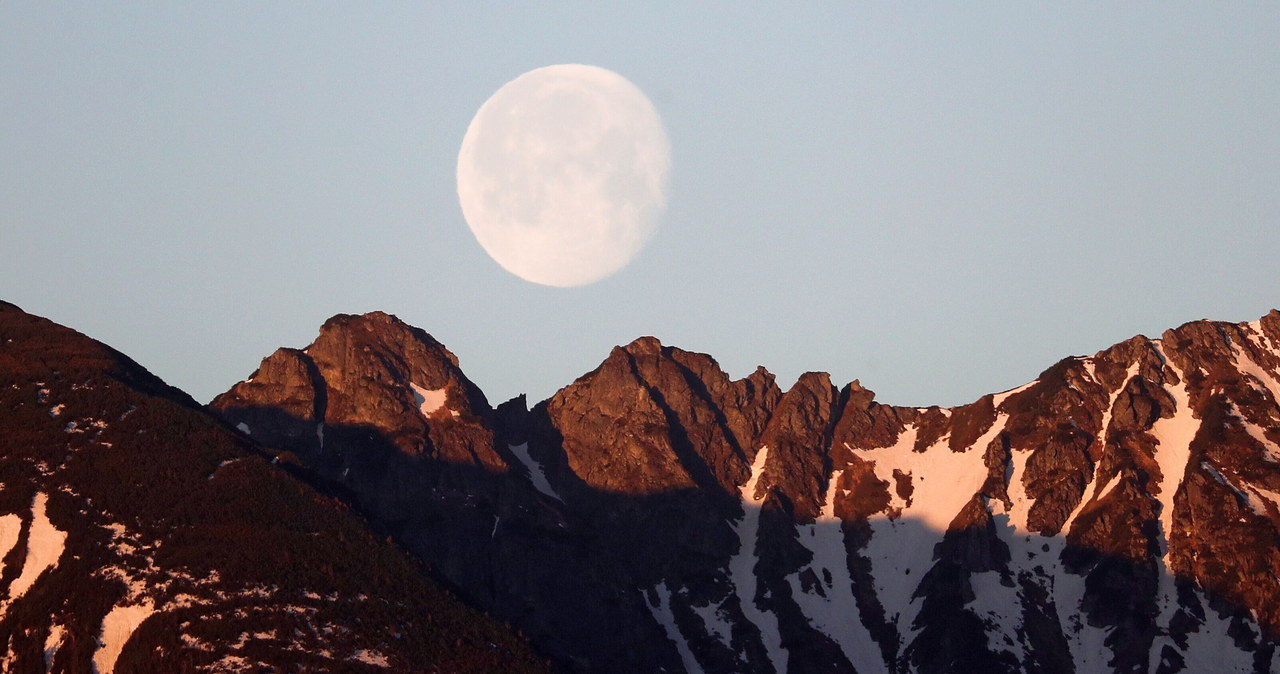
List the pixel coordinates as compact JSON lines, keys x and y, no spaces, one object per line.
{"x":1120,"y":513}
{"x":654,"y":419}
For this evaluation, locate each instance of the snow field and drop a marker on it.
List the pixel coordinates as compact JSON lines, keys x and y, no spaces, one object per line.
{"x":901,"y":545}
{"x":834,"y":612}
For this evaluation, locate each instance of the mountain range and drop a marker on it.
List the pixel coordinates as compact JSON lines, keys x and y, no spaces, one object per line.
{"x":360,"y":503}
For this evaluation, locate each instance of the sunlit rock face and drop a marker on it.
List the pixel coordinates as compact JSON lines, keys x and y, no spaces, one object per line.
{"x":140,"y":533}
{"x":1117,"y":514}
{"x":378,"y":411}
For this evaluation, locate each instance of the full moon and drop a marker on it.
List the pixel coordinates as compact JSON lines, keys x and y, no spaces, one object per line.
{"x":562,"y":175}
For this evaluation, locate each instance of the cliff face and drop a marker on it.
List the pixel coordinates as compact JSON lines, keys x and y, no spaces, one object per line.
{"x":138,"y":532}
{"x":1119,"y":513}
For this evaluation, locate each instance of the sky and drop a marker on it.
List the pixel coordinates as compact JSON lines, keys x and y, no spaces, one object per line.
{"x":938,"y":199}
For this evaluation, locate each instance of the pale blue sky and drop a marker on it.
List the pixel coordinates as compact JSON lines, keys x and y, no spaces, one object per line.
{"x":938,"y":199}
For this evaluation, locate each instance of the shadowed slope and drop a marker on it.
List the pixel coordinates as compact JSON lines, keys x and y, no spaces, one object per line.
{"x":139,"y":533}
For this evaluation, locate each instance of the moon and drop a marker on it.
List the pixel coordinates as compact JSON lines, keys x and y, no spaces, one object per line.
{"x":562,"y":174}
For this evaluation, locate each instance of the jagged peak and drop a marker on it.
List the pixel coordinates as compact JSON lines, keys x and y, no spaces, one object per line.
{"x":381,"y":329}
{"x":371,"y":317}
{"x":646,"y":345}
{"x":649,"y":345}
{"x":812,"y":380}
{"x":376,"y":322}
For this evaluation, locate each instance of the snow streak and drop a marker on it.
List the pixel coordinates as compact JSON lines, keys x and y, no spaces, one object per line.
{"x":537,"y":475}
{"x":44,"y":547}
{"x":1174,"y":435}
{"x":663,"y":614}
{"x":742,"y":566}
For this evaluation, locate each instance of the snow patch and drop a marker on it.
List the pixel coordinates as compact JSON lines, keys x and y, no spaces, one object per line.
{"x":1174,"y":435}
{"x":57,"y":409}
{"x":1211,"y":648}
{"x":226,"y":462}
{"x":1263,"y":339}
{"x":117,"y":627}
{"x":1260,"y":497}
{"x":742,"y":566}
{"x":236,"y":663}
{"x":537,"y":475}
{"x":1020,"y":511}
{"x":1248,"y":366}
{"x":372,"y":658}
{"x":999,"y":398}
{"x":1101,"y":490}
{"x":51,"y":645}
{"x":717,"y":625}
{"x":1222,"y":480}
{"x":665,"y":617}
{"x":45,"y":545}
{"x":244,"y":428}
{"x":10,"y":528}
{"x":429,"y":400}
{"x":1271,"y":449}
{"x":999,"y":607}
{"x":830,"y":607}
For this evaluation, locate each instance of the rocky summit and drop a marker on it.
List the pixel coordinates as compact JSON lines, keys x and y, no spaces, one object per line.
{"x":1120,"y":513}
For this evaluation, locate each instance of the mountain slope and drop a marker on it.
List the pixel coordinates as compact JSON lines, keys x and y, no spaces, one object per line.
{"x":139,"y":533}
{"x":1118,"y":514}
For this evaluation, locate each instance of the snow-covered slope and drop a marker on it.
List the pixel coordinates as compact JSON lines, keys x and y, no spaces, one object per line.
{"x":1115,"y":515}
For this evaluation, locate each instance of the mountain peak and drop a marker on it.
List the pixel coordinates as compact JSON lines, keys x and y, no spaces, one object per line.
{"x":646,"y":345}
{"x":385,"y":332}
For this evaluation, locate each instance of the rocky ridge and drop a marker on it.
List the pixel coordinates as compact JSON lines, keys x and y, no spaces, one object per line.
{"x":1119,"y":513}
